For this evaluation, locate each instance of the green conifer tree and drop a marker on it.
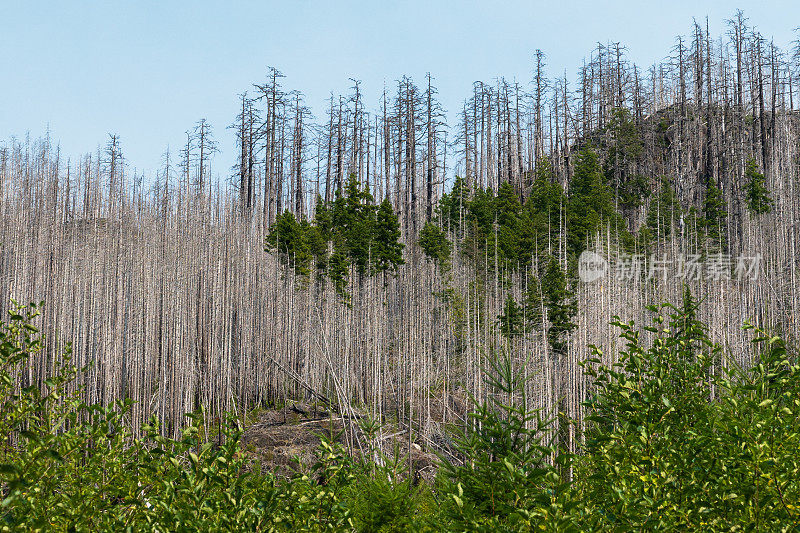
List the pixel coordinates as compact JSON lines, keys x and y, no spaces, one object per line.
{"x":290,"y":239}
{"x":510,"y":320}
{"x":507,"y":208}
{"x":434,"y":242}
{"x":757,"y":195}
{"x":561,"y":306}
{"x":338,"y":267}
{"x":387,"y":251}
{"x":625,"y":150}
{"x":589,"y":200}
{"x":714,"y":219}
{"x":454,"y":205}
{"x":353,"y":220}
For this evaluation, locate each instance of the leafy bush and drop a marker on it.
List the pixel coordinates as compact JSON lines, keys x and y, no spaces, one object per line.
{"x":678,"y":441}
{"x":674,"y":440}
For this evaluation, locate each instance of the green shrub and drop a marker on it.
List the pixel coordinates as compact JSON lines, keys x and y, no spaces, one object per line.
{"x":673,"y":443}
{"x":674,"y":440}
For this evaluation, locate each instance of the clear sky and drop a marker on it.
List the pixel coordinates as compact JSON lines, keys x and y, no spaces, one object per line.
{"x":148,"y":70}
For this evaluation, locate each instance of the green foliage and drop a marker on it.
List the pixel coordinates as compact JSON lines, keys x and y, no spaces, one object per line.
{"x":292,"y":240}
{"x":508,"y":207}
{"x":501,"y":224}
{"x":532,"y":304}
{"x":67,"y":466}
{"x":511,"y":319}
{"x":561,"y":305}
{"x":756,"y":193}
{"x":539,"y":223}
{"x":714,"y":216}
{"x":382,"y":503}
{"x":453,"y":206}
{"x":590,"y":200}
{"x":501,"y":231}
{"x":625,"y":150}
{"x":433,"y":241}
{"x":550,"y":294}
{"x":387,"y":251}
{"x":500,"y":477}
{"x":338,"y":269}
{"x":314,"y":501}
{"x":546,"y":195}
{"x":351,"y":230}
{"x":673,"y":444}
{"x":353,"y":221}
{"x":673,"y":440}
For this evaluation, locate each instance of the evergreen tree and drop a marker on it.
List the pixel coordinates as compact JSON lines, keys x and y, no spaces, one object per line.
{"x":624,"y":152}
{"x":714,"y":219}
{"x":291,"y":240}
{"x":482,"y":210}
{"x":338,"y":267}
{"x":561,"y":306}
{"x":539,"y":222}
{"x":353,"y":220}
{"x":387,"y":251}
{"x":757,"y":195}
{"x":500,"y":470}
{"x":480,"y":235}
{"x":589,"y":200}
{"x":454,"y":205}
{"x":323,"y":219}
{"x":546,"y":194}
{"x":507,"y":209}
{"x":532,"y":304}
{"x":434,"y":242}
{"x":510,"y":320}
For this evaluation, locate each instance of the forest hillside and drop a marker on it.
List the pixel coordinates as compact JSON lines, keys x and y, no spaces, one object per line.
{"x":373,"y":259}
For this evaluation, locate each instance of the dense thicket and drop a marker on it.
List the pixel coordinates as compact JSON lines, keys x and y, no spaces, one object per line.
{"x":669,"y":445}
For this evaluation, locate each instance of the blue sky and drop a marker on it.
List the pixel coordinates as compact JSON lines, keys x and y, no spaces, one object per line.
{"x":148,"y":70}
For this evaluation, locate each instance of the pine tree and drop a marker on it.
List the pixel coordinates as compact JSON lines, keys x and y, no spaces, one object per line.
{"x":539,"y":222}
{"x":433,"y":241}
{"x":624,"y":152}
{"x":338,"y":267}
{"x":353,"y":220}
{"x":714,"y":219}
{"x":291,"y":240}
{"x":387,"y":251}
{"x":756,"y":193}
{"x":323,"y":218}
{"x":560,"y":304}
{"x":589,"y":200}
{"x":453,"y":206}
{"x":510,"y":320}
{"x":532,"y":304}
{"x":507,"y":208}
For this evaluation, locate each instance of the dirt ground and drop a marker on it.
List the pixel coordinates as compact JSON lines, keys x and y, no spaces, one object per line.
{"x":285,"y":440}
